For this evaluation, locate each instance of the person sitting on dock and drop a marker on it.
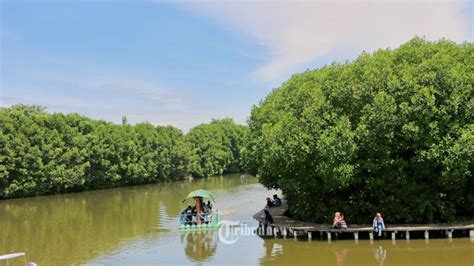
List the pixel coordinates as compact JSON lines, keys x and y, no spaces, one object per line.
{"x":338,"y":221}
{"x":267,"y":218}
{"x":378,"y":224}
{"x":269,"y":203}
{"x":276,"y":200}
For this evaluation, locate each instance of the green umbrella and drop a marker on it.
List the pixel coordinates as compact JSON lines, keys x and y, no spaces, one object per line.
{"x":200,"y":193}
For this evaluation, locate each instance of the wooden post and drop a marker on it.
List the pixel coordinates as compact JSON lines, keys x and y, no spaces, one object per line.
{"x":407,"y":235}
{"x":449,"y":233}
{"x":471,"y":233}
{"x":310,"y":236}
{"x":285,"y":233}
{"x":295,"y":234}
{"x":394,"y":235}
{"x":371,"y":235}
{"x":427,"y":235}
{"x":198,"y":209}
{"x":275,"y":232}
{"x":356,"y":235}
{"x":329,"y":236}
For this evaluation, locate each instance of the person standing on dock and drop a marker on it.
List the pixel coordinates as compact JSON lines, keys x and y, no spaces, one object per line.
{"x":378,"y":224}
{"x":267,"y":219}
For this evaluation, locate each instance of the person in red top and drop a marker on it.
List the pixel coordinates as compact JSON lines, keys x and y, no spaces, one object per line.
{"x":269,"y":203}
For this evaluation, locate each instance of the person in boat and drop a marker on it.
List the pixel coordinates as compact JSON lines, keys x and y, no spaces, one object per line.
{"x":193,"y":214}
{"x":276,"y":200}
{"x":378,"y":224}
{"x":187,"y":214}
{"x":338,"y":221}
{"x":267,"y":217}
{"x":269,"y":203}
{"x":205,"y":215}
{"x":209,"y":205}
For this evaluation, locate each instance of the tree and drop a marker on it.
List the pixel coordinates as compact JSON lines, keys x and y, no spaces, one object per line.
{"x":391,"y":131}
{"x":217,"y":147}
{"x":44,"y":153}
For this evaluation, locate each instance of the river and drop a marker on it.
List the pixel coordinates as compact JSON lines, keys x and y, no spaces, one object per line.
{"x":138,"y":226}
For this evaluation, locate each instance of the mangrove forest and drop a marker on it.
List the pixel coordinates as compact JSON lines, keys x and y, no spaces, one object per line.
{"x":389,"y":132}
{"x":45,"y":153}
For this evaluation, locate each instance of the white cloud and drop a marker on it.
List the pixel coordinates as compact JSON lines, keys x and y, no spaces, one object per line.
{"x":298,"y":32}
{"x":113,"y":85}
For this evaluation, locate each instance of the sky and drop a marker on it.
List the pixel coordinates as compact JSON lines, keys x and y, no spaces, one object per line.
{"x":183,"y":63}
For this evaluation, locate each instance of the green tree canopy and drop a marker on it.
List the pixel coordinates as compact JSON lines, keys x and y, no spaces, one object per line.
{"x":217,"y":147}
{"x":390,"y":132}
{"x":44,"y":153}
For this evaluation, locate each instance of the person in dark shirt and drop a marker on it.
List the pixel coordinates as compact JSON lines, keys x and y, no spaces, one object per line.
{"x":267,"y":219}
{"x":188,"y":216}
{"x":276,"y":200}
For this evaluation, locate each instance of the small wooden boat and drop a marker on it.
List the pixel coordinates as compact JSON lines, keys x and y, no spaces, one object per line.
{"x":201,"y":216}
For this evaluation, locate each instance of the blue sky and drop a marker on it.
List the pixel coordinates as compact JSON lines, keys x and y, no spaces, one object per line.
{"x":183,"y":63}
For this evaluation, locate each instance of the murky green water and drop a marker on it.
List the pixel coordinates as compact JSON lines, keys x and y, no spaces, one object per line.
{"x":137,"y":226}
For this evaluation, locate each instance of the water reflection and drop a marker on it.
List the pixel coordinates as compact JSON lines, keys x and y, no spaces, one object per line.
{"x":79,"y":228}
{"x":347,"y":252}
{"x":200,"y":246}
{"x":380,"y":255}
{"x":138,"y":225}
{"x":341,"y":255}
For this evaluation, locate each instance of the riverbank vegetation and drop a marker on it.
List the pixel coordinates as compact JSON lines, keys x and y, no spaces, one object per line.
{"x":217,"y":147}
{"x":43,"y":153}
{"x":389,"y":132}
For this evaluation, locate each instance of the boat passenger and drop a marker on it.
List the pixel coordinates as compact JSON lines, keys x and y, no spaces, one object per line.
{"x":193,"y":214}
{"x":378,"y":224}
{"x":205,"y":214}
{"x":188,"y":216}
{"x":209,"y":205}
{"x":338,"y":221}
{"x":276,"y":200}
{"x":269,"y":203}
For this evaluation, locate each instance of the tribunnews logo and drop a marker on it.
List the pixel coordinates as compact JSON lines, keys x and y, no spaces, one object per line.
{"x":230,"y":231}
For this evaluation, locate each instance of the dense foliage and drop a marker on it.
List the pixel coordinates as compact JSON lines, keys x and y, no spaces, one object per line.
{"x":44,"y":153}
{"x":217,"y":147}
{"x":390,"y":132}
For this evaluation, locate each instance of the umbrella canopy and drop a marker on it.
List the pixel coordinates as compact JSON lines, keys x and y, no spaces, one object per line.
{"x":200,"y":193}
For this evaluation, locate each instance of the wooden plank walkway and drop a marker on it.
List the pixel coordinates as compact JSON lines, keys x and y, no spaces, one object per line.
{"x":285,"y":226}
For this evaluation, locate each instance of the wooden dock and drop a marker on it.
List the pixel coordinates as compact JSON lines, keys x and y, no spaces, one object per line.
{"x":287,"y":227}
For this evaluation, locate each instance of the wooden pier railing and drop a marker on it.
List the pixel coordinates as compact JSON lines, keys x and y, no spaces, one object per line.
{"x":285,"y":226}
